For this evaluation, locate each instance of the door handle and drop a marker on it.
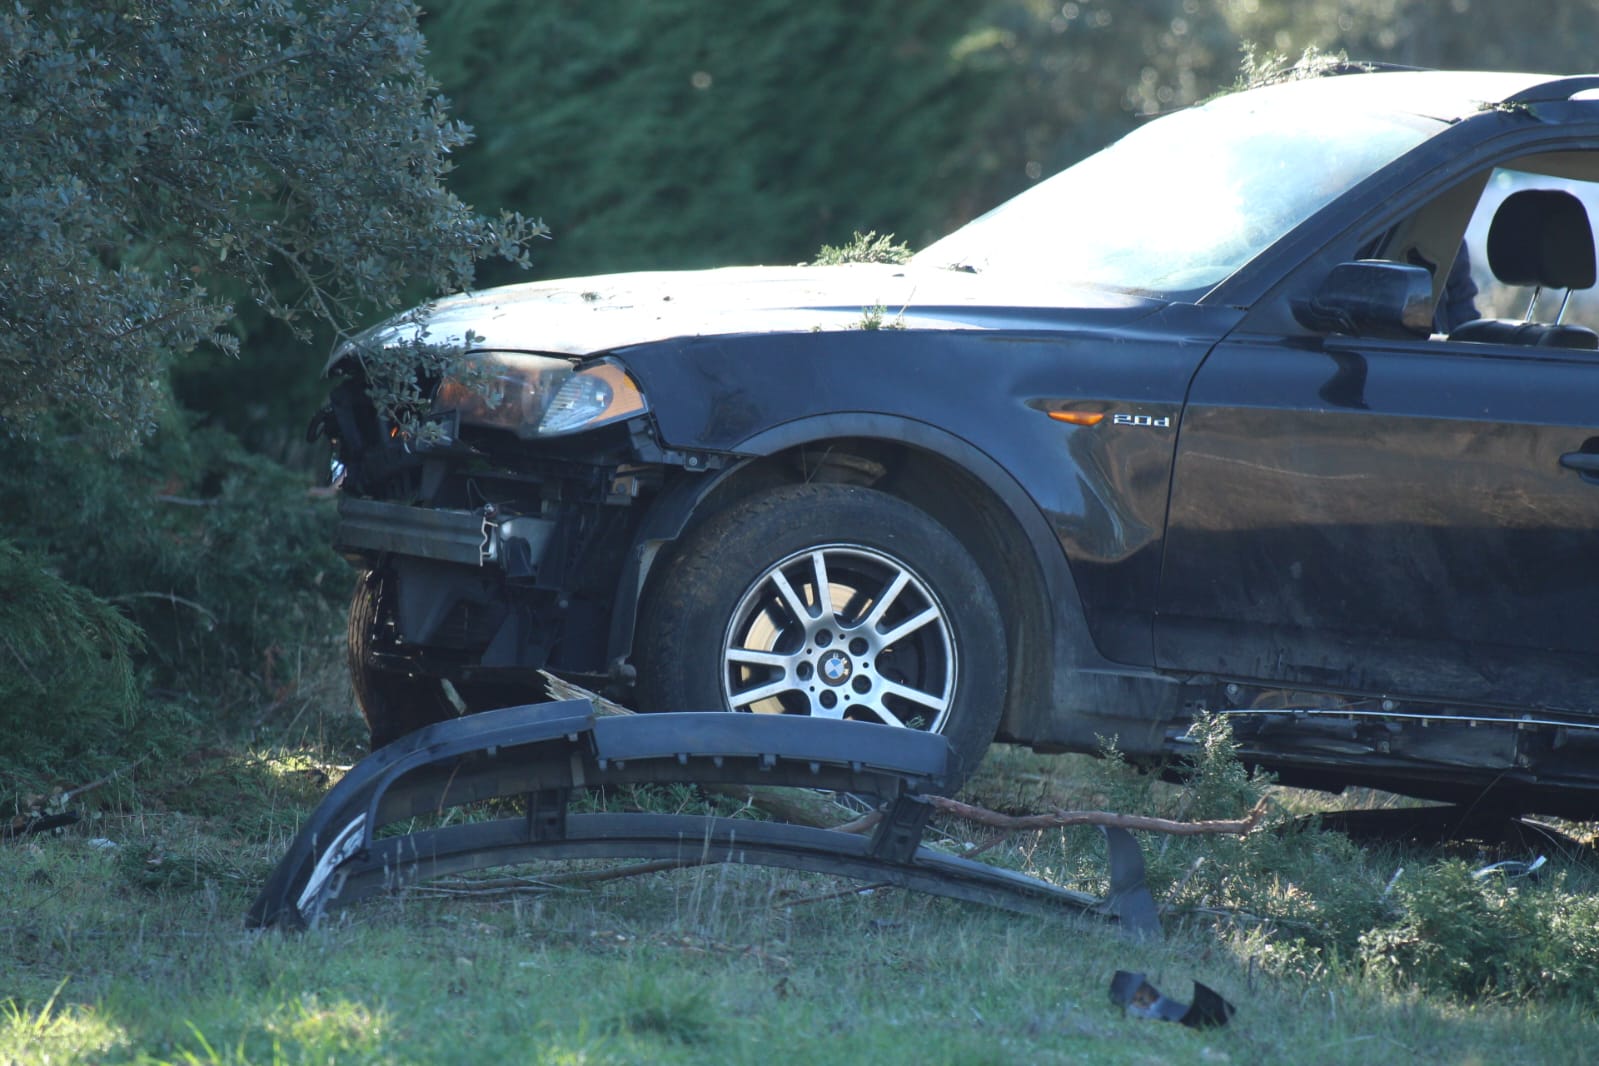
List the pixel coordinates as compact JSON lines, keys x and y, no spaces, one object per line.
{"x":1585,"y":463}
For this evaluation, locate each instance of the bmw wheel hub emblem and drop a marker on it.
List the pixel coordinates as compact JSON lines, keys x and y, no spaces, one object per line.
{"x":835,"y":668}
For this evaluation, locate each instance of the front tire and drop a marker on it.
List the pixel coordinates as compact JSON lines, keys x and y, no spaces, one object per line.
{"x":834,"y":601}
{"x":392,"y":703}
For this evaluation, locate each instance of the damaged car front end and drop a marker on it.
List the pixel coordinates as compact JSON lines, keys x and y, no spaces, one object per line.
{"x":508,"y":515}
{"x":480,"y":523}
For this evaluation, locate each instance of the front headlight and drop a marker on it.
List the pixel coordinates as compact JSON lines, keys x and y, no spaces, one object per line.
{"x":541,"y":395}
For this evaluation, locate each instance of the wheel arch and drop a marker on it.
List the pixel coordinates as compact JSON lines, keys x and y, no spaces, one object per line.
{"x":961,"y":487}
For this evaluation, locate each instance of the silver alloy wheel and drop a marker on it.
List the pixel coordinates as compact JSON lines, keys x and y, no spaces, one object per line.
{"x":841,"y":631}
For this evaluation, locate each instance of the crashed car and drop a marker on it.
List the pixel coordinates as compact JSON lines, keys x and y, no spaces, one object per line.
{"x":1279,"y":408}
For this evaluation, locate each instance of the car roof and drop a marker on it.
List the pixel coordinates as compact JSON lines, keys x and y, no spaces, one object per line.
{"x":1446,"y":95}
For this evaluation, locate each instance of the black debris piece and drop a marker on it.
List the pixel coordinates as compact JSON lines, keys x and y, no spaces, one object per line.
{"x":1134,"y":994}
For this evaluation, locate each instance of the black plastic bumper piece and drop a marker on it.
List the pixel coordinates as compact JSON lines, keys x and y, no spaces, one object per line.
{"x":449,"y":536}
{"x":545,"y":752}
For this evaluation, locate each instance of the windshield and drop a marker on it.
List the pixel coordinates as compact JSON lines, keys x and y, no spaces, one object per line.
{"x":1176,"y":206}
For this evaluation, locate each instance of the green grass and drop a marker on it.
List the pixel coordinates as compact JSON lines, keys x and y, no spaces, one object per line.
{"x":136,"y":952}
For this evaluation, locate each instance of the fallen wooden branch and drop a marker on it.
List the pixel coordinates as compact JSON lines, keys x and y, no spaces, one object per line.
{"x":793,"y":805}
{"x":865,"y":823}
{"x":1062,"y":819}
{"x":23,"y":825}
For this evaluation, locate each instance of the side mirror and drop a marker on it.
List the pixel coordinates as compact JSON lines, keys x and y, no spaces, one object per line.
{"x":1371,"y":298}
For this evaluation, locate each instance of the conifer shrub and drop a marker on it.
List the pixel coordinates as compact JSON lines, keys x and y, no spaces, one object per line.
{"x":1469,"y":935}
{"x":220,"y":557}
{"x":67,"y":679}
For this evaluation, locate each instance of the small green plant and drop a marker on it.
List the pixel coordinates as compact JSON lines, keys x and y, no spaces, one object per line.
{"x":872,"y":318}
{"x":56,"y":1031}
{"x":1474,"y":937}
{"x":1260,"y":68}
{"x":682,"y":1014}
{"x":22,"y":1021}
{"x":1220,"y":786}
{"x":865,"y":247}
{"x":1509,"y":107}
{"x":156,"y":869}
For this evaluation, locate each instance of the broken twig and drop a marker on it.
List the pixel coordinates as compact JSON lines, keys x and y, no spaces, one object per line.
{"x":175,"y":600}
{"x":72,"y":794}
{"x":843,"y":893}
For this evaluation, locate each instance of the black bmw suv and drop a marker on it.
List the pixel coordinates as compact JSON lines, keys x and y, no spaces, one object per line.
{"x":1282,"y":407}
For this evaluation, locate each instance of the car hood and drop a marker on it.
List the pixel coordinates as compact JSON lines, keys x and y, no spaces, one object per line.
{"x":584,"y":316}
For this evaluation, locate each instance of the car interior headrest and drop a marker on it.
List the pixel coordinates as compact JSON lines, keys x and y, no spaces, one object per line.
{"x":1542,"y":237}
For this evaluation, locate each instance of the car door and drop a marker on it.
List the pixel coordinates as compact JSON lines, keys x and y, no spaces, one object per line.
{"x":1411,"y":518}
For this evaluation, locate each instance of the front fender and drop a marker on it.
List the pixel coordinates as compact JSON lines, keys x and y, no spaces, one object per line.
{"x":1065,"y":685}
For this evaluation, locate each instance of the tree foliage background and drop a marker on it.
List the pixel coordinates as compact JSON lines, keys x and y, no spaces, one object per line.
{"x":197,"y":195}
{"x":166,"y":162}
{"x":656,"y":134}
{"x":167,"y":157}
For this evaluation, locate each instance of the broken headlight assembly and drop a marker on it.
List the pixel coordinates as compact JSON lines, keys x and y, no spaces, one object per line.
{"x":538,"y":396}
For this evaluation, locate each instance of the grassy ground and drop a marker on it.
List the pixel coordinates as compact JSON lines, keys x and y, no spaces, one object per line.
{"x":121,"y":941}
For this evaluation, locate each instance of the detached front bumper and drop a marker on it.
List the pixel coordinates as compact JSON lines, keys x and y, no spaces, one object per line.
{"x":553,"y":753}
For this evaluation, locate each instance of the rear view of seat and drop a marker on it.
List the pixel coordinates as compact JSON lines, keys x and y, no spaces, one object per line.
{"x":1539,"y":238}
